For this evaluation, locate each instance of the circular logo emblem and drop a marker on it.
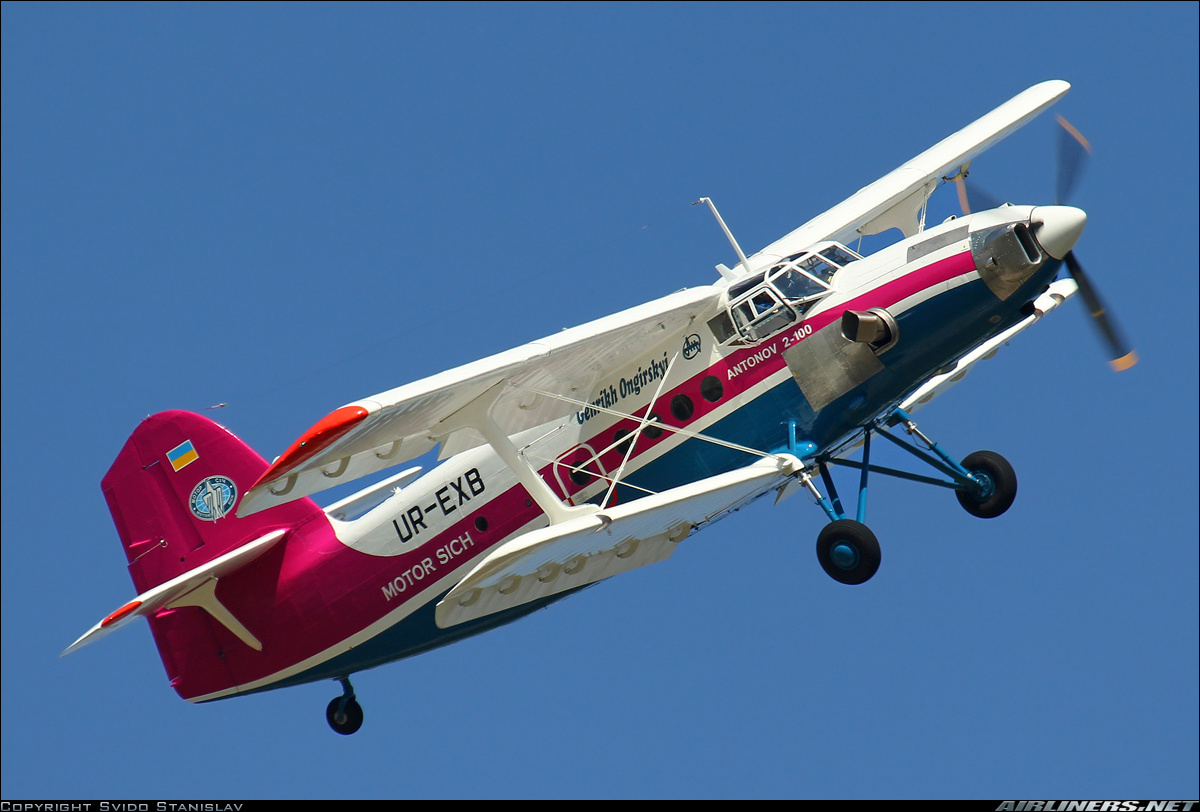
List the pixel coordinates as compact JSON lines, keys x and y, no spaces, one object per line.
{"x":691,"y":346}
{"x":213,"y":498}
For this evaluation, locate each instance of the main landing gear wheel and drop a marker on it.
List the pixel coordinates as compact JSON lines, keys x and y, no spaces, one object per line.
{"x":997,"y":485}
{"x":848,"y":551}
{"x":343,"y":713}
{"x":344,"y":719}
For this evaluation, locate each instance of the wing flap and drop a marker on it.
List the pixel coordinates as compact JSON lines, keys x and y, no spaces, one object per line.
{"x":590,"y":548}
{"x":395,"y":426}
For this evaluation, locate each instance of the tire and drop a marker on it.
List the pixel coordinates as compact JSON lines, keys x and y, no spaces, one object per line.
{"x":352,"y":718}
{"x":848,"y":551}
{"x":1000,"y":485}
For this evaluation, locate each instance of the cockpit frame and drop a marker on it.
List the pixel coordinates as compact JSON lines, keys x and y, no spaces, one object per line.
{"x":762,"y":304}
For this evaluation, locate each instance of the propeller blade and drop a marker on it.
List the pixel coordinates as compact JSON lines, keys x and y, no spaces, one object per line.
{"x":1073,"y":150}
{"x":960,"y":183}
{"x":1122,"y":356}
{"x":971,"y":197}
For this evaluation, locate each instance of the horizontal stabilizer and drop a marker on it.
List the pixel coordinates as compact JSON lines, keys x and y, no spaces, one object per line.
{"x":589,"y":548}
{"x":1056,"y":294}
{"x":194,"y":588}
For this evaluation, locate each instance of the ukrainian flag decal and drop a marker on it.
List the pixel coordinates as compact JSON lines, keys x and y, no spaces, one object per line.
{"x":182,"y":455}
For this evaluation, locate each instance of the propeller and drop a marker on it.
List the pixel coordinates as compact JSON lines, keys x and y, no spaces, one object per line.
{"x":1073,"y":150}
{"x":972,"y":193}
{"x":1122,"y":355}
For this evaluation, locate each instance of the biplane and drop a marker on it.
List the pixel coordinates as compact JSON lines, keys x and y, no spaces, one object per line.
{"x":596,"y":450}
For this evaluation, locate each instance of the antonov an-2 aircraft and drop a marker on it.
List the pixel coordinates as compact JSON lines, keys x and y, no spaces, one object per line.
{"x":593,"y":451}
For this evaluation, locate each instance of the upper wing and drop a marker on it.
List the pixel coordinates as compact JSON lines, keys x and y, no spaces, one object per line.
{"x":395,"y":426}
{"x":896,"y":199}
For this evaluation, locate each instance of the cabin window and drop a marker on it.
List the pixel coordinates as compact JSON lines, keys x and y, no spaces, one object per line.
{"x":653,"y":431}
{"x":682,"y":408}
{"x":711,"y":389}
{"x":623,"y":444}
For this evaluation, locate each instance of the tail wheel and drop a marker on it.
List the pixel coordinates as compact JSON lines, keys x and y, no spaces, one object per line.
{"x":997,"y":485}
{"x":848,"y":551}
{"x":344,"y":720}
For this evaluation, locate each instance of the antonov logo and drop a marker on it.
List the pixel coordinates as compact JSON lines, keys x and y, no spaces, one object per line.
{"x":691,"y":346}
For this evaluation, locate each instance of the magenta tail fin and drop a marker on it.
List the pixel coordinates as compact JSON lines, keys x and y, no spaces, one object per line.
{"x":173,"y":492}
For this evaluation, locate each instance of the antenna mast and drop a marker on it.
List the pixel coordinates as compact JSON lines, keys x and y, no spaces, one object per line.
{"x":725,"y":272}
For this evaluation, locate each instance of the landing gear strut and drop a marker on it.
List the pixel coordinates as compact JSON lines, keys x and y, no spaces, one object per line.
{"x":344,"y":714}
{"x":984,"y":482}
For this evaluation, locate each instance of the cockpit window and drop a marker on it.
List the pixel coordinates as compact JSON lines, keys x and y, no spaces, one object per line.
{"x":816,"y":265}
{"x":764,"y":303}
{"x":803,"y":277}
{"x":838,"y":255}
{"x":761,"y":314}
{"x":743,"y":285}
{"x":795,"y":286}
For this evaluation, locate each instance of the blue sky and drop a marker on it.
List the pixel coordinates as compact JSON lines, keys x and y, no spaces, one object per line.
{"x":288,"y":207}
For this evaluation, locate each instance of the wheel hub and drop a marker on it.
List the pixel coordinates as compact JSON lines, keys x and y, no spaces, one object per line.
{"x":844,"y":556}
{"x":984,"y":486}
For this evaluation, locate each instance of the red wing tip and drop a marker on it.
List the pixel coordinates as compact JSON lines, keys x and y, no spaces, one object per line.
{"x":323,"y":433}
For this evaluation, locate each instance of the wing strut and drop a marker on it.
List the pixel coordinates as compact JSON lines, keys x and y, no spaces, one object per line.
{"x":477,"y":415}
{"x":645,"y":421}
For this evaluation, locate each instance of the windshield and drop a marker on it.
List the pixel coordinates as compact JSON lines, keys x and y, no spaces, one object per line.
{"x":803,"y":277}
{"x":795,"y":286}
